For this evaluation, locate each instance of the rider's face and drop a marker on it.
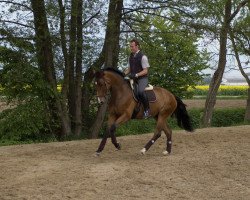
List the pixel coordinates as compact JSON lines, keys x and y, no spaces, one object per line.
{"x":133,"y":47}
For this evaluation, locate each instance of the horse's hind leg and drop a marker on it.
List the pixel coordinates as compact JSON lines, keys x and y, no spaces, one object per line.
{"x":157,"y":134}
{"x":168,"y":133}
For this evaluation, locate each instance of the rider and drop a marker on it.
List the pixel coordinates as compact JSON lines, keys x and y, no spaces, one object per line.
{"x":138,"y":68}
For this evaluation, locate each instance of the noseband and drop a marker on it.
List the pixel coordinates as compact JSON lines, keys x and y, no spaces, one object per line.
{"x":105,"y":96}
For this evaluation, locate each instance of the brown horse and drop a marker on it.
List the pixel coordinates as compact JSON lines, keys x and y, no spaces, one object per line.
{"x":122,"y":105}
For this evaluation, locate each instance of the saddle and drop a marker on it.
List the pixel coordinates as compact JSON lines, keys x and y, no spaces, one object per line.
{"x":149,"y":91}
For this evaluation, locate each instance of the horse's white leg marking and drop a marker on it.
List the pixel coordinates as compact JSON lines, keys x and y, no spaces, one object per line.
{"x":165,"y":153}
{"x":97,"y":154}
{"x":143,"y":151}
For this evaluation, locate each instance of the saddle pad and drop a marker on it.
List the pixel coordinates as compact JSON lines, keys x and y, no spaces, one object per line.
{"x":151,"y":95}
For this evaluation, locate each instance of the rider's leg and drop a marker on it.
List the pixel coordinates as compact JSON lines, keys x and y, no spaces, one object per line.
{"x":142,"y":83}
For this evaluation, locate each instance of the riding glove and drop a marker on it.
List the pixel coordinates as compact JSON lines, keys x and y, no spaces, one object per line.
{"x":133,"y":76}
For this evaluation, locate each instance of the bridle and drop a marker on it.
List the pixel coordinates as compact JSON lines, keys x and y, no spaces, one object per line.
{"x":102,"y":97}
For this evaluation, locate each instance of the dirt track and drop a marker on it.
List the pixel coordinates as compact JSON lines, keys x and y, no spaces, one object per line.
{"x":191,"y":103}
{"x":220,"y":103}
{"x":208,"y":164}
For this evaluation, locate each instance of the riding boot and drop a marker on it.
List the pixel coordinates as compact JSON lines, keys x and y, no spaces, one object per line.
{"x":145,"y":103}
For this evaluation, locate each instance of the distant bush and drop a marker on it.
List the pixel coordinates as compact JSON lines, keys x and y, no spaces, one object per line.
{"x":228,"y":117}
{"x":25,"y":123}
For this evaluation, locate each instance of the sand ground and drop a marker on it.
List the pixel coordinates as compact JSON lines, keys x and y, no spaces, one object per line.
{"x":208,"y":164}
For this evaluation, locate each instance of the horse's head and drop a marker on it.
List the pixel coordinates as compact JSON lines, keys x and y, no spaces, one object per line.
{"x":102,"y":86}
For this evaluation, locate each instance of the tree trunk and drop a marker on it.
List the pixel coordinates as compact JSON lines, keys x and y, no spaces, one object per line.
{"x":45,"y":60}
{"x":95,"y":129}
{"x":217,"y":77}
{"x":78,"y":79}
{"x":65,"y":84}
{"x":87,"y":92}
{"x":72,"y":56}
{"x":111,"y":52}
{"x":247,"y":113}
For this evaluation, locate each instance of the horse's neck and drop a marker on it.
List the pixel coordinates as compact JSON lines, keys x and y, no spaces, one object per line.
{"x":119,"y":88}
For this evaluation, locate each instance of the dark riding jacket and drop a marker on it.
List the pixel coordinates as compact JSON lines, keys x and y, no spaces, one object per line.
{"x":135,"y":63}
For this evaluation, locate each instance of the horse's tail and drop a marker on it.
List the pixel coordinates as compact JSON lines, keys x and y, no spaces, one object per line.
{"x":182,"y":116}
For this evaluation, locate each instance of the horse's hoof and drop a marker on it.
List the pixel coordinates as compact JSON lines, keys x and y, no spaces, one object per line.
{"x":119,"y":147}
{"x":143,"y":151}
{"x":165,"y":153}
{"x":97,"y":154}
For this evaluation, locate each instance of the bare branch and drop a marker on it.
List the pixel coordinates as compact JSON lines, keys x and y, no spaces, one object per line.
{"x":19,"y":38}
{"x":237,"y":57}
{"x":17,"y":23}
{"x":15,"y":3}
{"x":92,"y":17}
{"x":242,"y":4}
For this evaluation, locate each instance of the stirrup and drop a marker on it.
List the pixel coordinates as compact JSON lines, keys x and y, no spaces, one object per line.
{"x":146,"y":114}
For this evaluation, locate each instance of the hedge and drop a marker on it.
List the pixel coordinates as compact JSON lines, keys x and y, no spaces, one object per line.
{"x":221,"y":117}
{"x":27,"y":128}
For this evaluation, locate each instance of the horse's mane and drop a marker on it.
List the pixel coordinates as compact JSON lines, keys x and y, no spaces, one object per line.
{"x":116,"y":71}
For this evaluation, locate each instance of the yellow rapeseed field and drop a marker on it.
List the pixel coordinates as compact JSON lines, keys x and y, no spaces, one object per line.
{"x":231,"y":90}
{"x":223,"y":87}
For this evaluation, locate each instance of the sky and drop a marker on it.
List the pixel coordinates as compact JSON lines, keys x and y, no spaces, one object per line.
{"x":231,"y":69}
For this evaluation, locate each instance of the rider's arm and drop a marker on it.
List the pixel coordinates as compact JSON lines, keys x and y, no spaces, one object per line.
{"x":127,"y":71}
{"x":145,"y":66}
{"x":143,"y":72}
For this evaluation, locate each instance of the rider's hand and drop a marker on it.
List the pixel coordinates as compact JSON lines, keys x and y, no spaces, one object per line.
{"x":133,"y":76}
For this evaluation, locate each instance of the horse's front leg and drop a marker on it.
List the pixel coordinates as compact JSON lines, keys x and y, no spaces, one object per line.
{"x":113,"y":137}
{"x":123,"y":118}
{"x":113,"y":123}
{"x":102,"y":144}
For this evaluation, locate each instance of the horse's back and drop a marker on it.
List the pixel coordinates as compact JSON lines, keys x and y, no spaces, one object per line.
{"x":165,"y":98}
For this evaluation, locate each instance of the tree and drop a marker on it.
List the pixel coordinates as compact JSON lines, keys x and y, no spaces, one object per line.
{"x":68,"y":54}
{"x":45,"y":61}
{"x":240,"y":39}
{"x":175,"y":61}
{"x":236,"y":52}
{"x":111,"y":53}
{"x":217,"y":77}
